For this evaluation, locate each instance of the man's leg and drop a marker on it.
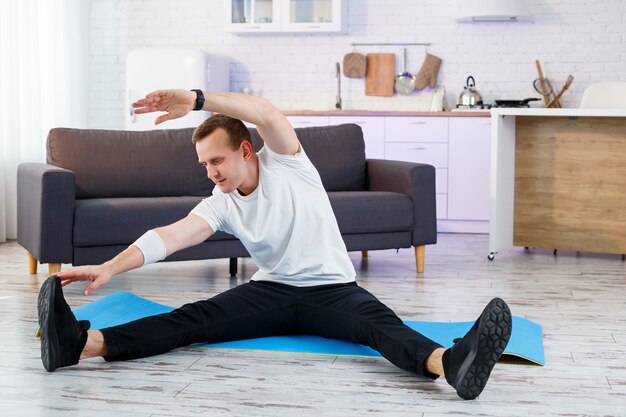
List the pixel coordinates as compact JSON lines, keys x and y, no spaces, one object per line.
{"x":351,"y":313}
{"x":251,"y":310}
{"x":247,"y":311}
{"x":95,"y":345}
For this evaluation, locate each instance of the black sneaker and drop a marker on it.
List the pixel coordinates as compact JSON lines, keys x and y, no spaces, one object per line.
{"x":469,"y":362}
{"x":62,"y":336}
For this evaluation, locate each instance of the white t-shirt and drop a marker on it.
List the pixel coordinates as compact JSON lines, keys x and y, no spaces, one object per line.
{"x":286,"y":224}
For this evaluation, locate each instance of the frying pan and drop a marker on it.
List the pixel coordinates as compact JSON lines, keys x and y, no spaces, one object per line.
{"x":516,"y":103}
{"x":405,"y":82}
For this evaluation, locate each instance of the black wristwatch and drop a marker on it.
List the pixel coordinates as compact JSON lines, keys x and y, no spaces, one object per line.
{"x":199,"y":100}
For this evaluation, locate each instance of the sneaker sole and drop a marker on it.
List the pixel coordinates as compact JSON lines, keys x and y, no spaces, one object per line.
{"x":50,"y":350}
{"x":494,"y":332}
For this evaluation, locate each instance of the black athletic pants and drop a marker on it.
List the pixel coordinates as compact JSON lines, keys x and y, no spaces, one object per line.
{"x":259,"y":309}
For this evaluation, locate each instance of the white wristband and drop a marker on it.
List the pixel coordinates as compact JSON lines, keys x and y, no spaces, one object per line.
{"x":152,"y":247}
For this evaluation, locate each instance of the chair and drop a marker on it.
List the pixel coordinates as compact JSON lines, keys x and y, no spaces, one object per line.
{"x":609,"y":95}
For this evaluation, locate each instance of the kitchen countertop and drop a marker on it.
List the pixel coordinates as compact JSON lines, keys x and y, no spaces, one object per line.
{"x":563,"y":112}
{"x":387,"y":113}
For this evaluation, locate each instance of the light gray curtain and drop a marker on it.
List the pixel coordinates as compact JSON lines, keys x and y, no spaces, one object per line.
{"x":44,"y":63}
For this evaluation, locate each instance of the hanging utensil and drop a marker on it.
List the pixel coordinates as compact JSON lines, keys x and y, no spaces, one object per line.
{"x":354,"y":65}
{"x":405,"y":82}
{"x":568,"y":82}
{"x":544,"y":87}
{"x":379,"y":78}
{"x":338,"y":75}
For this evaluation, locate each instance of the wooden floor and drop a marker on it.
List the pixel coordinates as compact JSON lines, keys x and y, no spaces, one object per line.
{"x":579,"y":300}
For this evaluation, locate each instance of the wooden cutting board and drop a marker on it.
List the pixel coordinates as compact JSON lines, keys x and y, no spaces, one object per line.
{"x":381,"y":72}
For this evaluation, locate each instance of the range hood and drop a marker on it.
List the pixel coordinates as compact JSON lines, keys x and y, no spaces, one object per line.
{"x":493,"y":11}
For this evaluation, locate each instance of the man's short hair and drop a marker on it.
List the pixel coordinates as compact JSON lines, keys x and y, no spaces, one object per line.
{"x":235,"y":129}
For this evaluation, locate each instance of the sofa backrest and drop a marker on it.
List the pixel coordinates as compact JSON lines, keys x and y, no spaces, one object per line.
{"x":117,"y":163}
{"x":338,"y":153}
{"x":161,"y":163}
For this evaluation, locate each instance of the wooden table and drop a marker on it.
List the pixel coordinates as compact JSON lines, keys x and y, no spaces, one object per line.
{"x":558,"y":179}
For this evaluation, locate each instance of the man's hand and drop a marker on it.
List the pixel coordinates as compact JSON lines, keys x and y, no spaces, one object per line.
{"x":176,"y":103}
{"x":97,"y":275}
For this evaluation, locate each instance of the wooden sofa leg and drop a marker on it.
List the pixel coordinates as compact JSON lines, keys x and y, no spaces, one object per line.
{"x":420,"y":252}
{"x":32,"y":264}
{"x":364,"y":253}
{"x":233,"y":267}
{"x":54,"y":267}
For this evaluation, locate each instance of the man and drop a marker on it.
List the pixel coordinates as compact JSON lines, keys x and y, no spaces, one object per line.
{"x":274,"y":202}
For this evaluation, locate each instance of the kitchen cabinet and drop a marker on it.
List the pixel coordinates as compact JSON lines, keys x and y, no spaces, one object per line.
{"x":308,"y":121}
{"x":249,"y":16}
{"x":312,"y":16}
{"x":422,"y":140}
{"x":373,"y":133}
{"x":468,"y":171}
{"x":252,"y":16}
{"x":416,"y":129}
{"x":435,"y":154}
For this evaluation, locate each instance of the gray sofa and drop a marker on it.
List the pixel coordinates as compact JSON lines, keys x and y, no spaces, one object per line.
{"x":102,"y":189}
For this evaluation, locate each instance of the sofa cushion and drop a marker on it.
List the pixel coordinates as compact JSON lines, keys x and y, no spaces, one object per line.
{"x":120,"y":221}
{"x":338,"y":153}
{"x":371,"y":211}
{"x":112,"y":163}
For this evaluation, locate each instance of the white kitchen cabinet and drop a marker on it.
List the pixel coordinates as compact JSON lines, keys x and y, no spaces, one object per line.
{"x":307,"y":121}
{"x":441,"y":180}
{"x":458,"y":148}
{"x":312,"y":16}
{"x":252,"y":16}
{"x":435,"y":154}
{"x":422,"y":140}
{"x":442,"y":206}
{"x":249,"y":16}
{"x":468,"y":170}
{"x":416,"y":129}
{"x":373,"y":133}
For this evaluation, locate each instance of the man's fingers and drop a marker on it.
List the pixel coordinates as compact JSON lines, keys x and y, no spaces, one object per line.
{"x":164,"y":117}
{"x":92,"y":287}
{"x":72,"y":274}
{"x":67,"y":281}
{"x":150,"y":100}
{"x":146,"y":109}
{"x":88,"y":289}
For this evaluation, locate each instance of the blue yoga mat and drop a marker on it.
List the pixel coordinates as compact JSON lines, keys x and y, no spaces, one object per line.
{"x":122,"y":307}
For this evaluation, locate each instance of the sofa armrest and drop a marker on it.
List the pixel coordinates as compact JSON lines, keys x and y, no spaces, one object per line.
{"x":45,"y":211}
{"x":412,"y":179}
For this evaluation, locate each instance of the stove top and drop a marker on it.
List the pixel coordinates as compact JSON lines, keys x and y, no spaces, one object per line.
{"x":477,"y":107}
{"x":483,"y":107}
{"x":516,"y":106}
{"x":470,"y":109}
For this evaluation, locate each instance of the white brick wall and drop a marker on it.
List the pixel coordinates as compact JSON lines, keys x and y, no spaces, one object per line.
{"x":586,"y":38}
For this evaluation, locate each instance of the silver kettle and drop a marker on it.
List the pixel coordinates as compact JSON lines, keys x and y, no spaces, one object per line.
{"x":470,"y":97}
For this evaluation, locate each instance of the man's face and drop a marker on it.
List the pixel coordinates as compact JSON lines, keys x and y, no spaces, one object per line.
{"x":225,"y":167}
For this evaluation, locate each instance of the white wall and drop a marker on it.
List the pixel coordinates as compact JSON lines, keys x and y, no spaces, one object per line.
{"x":586,"y":38}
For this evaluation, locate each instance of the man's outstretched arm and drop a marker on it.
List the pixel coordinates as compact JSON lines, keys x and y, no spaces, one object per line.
{"x":187,"y":232}
{"x":271,"y":124}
